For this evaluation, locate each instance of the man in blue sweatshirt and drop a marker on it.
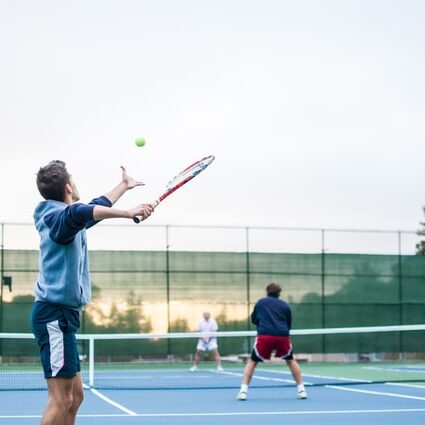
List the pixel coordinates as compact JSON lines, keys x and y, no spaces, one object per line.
{"x":273,"y":319}
{"x":63,"y":286}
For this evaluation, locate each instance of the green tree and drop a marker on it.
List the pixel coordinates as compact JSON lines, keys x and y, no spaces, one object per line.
{"x":179,"y":325}
{"x":130,"y":319}
{"x":119,"y":320}
{"x":16,"y":314}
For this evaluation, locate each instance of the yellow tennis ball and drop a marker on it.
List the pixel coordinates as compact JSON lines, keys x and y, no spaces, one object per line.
{"x":140,"y":141}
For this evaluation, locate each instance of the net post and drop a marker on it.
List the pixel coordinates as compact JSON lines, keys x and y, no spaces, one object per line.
{"x":91,"y":362}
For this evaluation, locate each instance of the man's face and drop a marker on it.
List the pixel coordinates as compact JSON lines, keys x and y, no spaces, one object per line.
{"x":207,"y":316}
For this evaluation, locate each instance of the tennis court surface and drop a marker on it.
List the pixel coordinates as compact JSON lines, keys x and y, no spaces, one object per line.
{"x":373,"y":387}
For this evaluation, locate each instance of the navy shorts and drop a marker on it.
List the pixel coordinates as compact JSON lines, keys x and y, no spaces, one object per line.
{"x":54,"y":328}
{"x":266,"y":344}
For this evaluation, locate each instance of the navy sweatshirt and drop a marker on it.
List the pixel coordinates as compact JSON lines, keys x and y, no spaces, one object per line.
{"x":272,"y":316}
{"x":64,"y":277}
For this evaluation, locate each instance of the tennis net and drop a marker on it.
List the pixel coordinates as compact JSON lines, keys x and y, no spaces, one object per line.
{"x":331,"y":356}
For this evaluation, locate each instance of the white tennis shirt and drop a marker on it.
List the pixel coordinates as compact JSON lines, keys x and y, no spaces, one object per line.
{"x":208,"y":326}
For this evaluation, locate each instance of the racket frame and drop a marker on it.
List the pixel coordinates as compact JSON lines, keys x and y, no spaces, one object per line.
{"x":171,"y":188}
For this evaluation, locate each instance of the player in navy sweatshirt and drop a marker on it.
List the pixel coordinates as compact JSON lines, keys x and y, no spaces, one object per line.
{"x":63,"y":287}
{"x":273,"y":320}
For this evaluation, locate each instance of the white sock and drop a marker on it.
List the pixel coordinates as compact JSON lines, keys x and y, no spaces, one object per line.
{"x":300,"y":387}
{"x":244,"y":388}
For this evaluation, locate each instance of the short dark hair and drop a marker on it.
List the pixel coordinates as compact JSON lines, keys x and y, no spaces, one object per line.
{"x":51,"y":180}
{"x":273,"y":290}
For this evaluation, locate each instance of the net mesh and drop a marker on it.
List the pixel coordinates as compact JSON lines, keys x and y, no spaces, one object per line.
{"x":337,"y":356}
{"x":174,"y":288}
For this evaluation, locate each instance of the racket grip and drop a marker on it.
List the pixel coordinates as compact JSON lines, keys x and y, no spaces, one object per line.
{"x":154,"y":205}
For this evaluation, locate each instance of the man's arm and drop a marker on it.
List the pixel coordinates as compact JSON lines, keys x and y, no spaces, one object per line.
{"x":289,"y":316}
{"x":254,"y":319}
{"x":65,"y":224}
{"x":125,"y":184}
{"x":143,"y":210}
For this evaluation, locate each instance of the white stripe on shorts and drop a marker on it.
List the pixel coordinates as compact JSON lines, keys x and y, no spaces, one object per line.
{"x":256,"y":351}
{"x":56,"y":347}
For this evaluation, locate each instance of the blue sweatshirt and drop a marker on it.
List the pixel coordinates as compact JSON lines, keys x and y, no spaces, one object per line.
{"x":272,"y":316}
{"x":64,"y":277}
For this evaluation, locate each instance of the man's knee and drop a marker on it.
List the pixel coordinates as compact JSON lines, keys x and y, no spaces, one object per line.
{"x":78,"y":397}
{"x":65,"y":394}
{"x":62,"y":401}
{"x":291,"y":362}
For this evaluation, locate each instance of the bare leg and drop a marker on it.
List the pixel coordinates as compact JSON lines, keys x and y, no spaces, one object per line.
{"x":249,"y":371}
{"x":197,"y":357}
{"x":63,"y":401}
{"x":217,"y":357}
{"x":247,"y":376}
{"x":295,"y":371}
{"x":77,"y":399}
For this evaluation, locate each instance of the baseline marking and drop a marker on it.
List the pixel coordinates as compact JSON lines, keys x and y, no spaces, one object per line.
{"x":302,"y":412}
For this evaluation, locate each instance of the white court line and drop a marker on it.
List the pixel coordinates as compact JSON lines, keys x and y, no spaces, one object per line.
{"x":112,"y":402}
{"x":285,"y":413}
{"x":79,"y":416}
{"x":401,"y":369}
{"x":328,"y":377}
{"x":354,"y":390}
{"x":397,"y":384}
{"x":264,"y":378}
{"x":336,"y":378}
{"x":310,"y":375}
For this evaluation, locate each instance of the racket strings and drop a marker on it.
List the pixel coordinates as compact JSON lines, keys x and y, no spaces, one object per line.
{"x":190,"y":172}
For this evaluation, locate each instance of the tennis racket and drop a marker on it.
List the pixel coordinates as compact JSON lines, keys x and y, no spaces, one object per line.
{"x":181,"y":179}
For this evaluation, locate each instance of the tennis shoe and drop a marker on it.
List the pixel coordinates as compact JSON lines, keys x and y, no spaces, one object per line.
{"x":242,"y":395}
{"x":220,"y":369}
{"x":194,"y":368}
{"x":302,"y":394}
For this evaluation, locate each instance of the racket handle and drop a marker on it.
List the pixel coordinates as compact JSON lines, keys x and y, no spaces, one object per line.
{"x":154,"y":205}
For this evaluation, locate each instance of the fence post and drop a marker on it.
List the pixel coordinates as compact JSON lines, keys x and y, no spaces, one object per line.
{"x":1,"y":284}
{"x":400,"y":295}
{"x":323,"y":288}
{"x":248,"y":280}
{"x":167,"y":277}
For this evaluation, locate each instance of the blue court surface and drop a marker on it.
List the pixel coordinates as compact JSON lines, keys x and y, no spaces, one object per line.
{"x":384,"y":403}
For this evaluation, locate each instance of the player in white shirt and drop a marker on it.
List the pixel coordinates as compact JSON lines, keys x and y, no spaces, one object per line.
{"x":207,"y":343}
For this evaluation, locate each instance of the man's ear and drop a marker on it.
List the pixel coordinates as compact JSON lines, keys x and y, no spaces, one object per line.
{"x":68,"y":189}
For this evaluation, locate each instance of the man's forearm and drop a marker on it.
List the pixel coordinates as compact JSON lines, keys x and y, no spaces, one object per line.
{"x":116,"y":192}
{"x":143,"y":211}
{"x":100,"y":213}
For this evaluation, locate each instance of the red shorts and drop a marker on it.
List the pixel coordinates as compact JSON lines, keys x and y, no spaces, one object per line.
{"x":265,"y":344}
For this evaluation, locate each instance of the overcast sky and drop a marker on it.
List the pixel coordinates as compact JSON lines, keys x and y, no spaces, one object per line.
{"x":314,"y":109}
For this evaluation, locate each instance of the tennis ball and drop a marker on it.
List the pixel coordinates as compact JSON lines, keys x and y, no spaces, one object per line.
{"x":140,"y":141}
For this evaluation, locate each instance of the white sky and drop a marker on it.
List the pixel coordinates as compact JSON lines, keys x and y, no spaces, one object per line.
{"x":314,"y":109}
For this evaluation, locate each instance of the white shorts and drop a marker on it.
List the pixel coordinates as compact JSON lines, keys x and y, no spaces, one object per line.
{"x":206,"y":346}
